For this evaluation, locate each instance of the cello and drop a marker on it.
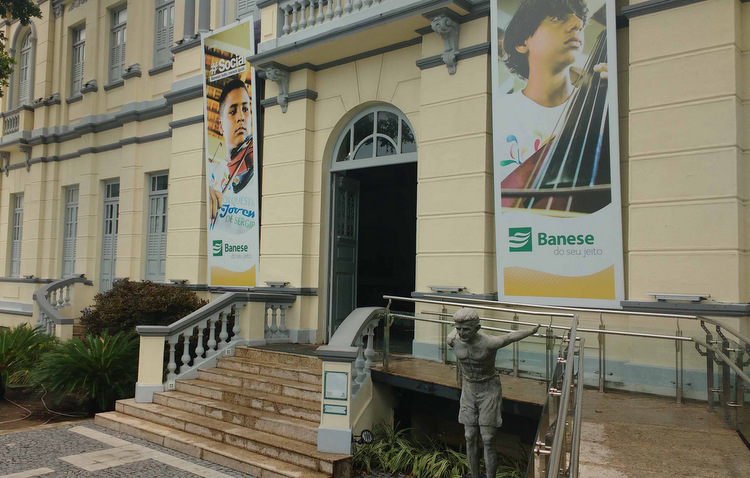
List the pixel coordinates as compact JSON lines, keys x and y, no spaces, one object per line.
{"x":570,"y":174}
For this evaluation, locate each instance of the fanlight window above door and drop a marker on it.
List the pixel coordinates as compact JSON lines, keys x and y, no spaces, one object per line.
{"x":378,"y":136}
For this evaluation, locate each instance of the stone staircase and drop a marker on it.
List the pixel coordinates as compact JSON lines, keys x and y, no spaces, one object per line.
{"x":257,"y":412}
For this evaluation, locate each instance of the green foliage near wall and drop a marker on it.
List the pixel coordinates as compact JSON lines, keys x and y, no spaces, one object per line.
{"x":394,"y":451}
{"x":94,"y":372}
{"x":129,"y":304}
{"x":20,"y":349}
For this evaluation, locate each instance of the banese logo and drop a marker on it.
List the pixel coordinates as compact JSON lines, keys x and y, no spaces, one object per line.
{"x":218,"y":248}
{"x":519,"y":239}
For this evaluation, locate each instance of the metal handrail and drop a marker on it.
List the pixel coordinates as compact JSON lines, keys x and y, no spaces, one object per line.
{"x":575,"y":447}
{"x":726,"y":360}
{"x":562,"y":414}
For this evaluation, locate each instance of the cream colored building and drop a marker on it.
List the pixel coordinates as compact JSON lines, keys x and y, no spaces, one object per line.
{"x":102,"y":127}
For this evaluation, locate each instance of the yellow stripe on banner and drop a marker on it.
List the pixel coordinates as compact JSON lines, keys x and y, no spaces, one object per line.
{"x":222,"y":276}
{"x":520,"y":281}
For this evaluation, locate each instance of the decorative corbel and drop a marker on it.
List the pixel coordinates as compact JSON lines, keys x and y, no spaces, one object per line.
{"x":448,"y":29}
{"x":5,"y":157}
{"x":58,"y":10}
{"x":89,"y":86}
{"x":132,"y":71}
{"x":26,"y":149}
{"x":280,"y":76}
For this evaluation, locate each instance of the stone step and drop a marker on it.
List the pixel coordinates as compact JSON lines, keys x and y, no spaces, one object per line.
{"x":287,"y":406}
{"x":275,"y":357}
{"x":225,"y":454}
{"x":304,"y":430}
{"x":289,"y":372}
{"x":289,"y":450}
{"x":261,"y":383}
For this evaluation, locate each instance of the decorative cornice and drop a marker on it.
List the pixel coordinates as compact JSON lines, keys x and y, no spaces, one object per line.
{"x":88,"y":150}
{"x":653,"y":6}
{"x":186,"y":44}
{"x":186,"y":121}
{"x":293,"y":96}
{"x":462,"y":54}
{"x":185,"y":89}
{"x":688,"y":308}
{"x":114,"y":84}
{"x":160,"y":69}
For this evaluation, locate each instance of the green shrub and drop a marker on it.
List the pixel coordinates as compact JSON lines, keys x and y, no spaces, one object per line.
{"x":94,"y":372}
{"x":394,"y":451}
{"x":129,"y":304}
{"x":20,"y":348}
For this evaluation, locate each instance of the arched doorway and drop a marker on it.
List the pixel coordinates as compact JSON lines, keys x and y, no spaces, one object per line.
{"x":373,"y":212}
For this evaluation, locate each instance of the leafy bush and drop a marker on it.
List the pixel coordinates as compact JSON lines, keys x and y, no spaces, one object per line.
{"x":393,"y":451}
{"x":94,"y":372}
{"x":20,"y":348}
{"x":129,"y":304}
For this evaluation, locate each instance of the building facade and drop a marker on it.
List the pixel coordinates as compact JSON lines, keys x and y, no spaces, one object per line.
{"x":103,"y":159}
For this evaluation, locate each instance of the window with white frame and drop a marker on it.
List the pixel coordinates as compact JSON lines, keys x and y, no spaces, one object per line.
{"x":156,"y":235}
{"x":25,"y":65}
{"x":78,"y":55}
{"x":118,"y":38}
{"x":70,"y":231}
{"x":16,"y":235}
{"x":164,"y":32}
{"x":377,"y":136}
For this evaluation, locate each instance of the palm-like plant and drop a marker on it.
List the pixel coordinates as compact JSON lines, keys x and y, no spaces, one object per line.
{"x":94,"y":372}
{"x":20,"y":349}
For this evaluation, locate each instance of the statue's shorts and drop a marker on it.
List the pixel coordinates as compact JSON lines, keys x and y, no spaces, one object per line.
{"x":481,"y":403}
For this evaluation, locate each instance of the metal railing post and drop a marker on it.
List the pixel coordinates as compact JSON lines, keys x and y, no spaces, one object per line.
{"x":387,"y":336}
{"x":515,"y":348}
{"x":602,"y":355}
{"x":678,"y":384}
{"x":726,"y":384}
{"x":443,"y":338}
{"x":710,"y":387}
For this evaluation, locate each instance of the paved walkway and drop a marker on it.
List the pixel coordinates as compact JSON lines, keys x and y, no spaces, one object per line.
{"x":633,"y":436}
{"x":82,"y":449}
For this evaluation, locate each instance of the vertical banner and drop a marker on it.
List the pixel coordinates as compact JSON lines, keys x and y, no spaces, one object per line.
{"x":558,"y":225}
{"x":231,"y":163}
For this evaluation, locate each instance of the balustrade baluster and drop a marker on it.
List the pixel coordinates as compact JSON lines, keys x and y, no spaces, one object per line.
{"x":370,"y":350}
{"x":274,"y":324}
{"x":53,"y":298}
{"x":52,"y":327}
{"x":338,"y":11}
{"x":266,"y":325}
{"x":212,"y":334}
{"x":67,"y":295}
{"x":366,"y":3}
{"x":302,"y":18}
{"x":48,"y":328}
{"x":199,"y":350}
{"x":283,"y":332}
{"x":359,"y":364}
{"x":348,"y":6}
{"x":357,"y":5}
{"x":185,"y":350}
{"x":285,"y":29}
{"x":60,"y":299}
{"x":329,"y":11}
{"x":311,"y":18}
{"x":224,"y":335}
{"x":321,"y":16}
{"x":236,"y":326}
{"x":171,"y":364}
{"x":294,"y":25}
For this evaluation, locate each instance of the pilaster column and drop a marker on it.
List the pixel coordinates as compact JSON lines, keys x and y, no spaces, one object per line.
{"x":204,"y":16}
{"x":189,"y":24}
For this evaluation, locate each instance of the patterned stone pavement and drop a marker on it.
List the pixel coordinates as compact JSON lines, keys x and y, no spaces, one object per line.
{"x":83,"y":449}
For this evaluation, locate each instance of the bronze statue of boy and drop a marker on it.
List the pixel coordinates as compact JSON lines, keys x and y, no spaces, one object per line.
{"x":481,"y":393}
